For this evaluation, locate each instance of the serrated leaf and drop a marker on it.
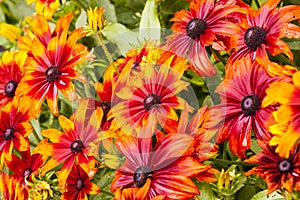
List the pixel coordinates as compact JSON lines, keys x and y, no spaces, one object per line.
{"x":263,"y":196}
{"x":149,"y":25}
{"x":124,"y":38}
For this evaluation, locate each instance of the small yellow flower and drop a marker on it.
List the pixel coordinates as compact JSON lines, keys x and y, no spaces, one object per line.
{"x":95,"y":18}
{"x":10,"y":32}
{"x":46,"y":8}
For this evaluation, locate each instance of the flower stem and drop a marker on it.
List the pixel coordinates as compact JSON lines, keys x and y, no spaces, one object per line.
{"x":106,"y":52}
{"x":231,"y":162}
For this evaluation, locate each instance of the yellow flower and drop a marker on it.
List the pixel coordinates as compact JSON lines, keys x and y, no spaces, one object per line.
{"x":95,"y":18}
{"x":41,"y":191}
{"x":45,"y":7}
{"x":10,"y":32}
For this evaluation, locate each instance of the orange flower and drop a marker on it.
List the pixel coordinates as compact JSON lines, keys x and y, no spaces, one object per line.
{"x":51,"y":68}
{"x":79,"y":185}
{"x":14,"y":130}
{"x":287,"y":129}
{"x":76,"y":144}
{"x":163,"y":170}
{"x":277,"y":171}
{"x":241,"y":108}
{"x":197,"y":28}
{"x":151,"y":96}
{"x":10,"y":188}
{"x":263,"y":34}
{"x":11,"y":67}
{"x":45,"y":7}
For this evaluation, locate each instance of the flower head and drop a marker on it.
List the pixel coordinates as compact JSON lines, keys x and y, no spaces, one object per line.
{"x":163,"y":170}
{"x":287,"y":128}
{"x":276,"y":170}
{"x":51,"y":68}
{"x":152,"y":96}
{"x":241,"y":108}
{"x":95,"y":19}
{"x":11,"y":67}
{"x":14,"y":130}
{"x":263,"y":34}
{"x":197,"y":28}
{"x":45,"y":7}
{"x":24,"y":167}
{"x":76,"y":144}
{"x":79,"y":184}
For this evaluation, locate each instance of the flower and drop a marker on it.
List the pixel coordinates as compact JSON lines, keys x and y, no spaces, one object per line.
{"x":76,"y":144}
{"x":79,"y":185}
{"x":241,"y":108}
{"x":14,"y":130}
{"x":10,"y":32}
{"x":263,"y":34}
{"x":276,"y":170}
{"x":10,"y":188}
{"x":11,"y":66}
{"x":151,"y":96}
{"x":24,"y":167}
{"x":163,"y":170}
{"x":51,"y":68}
{"x":197,"y":28}
{"x":95,"y":19}
{"x":286,"y":129}
{"x":45,"y":7}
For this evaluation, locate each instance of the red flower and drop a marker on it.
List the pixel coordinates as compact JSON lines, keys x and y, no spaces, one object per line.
{"x":163,"y":170}
{"x":79,"y":185}
{"x":277,"y":171}
{"x":27,"y":165}
{"x":241,"y":107}
{"x":197,"y":28}
{"x":263,"y":34}
{"x":11,"y":67}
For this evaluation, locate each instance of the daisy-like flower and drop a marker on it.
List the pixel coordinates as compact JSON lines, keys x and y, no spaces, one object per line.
{"x":276,"y":170}
{"x":197,"y":28}
{"x":45,"y":7}
{"x":14,"y":130}
{"x":287,"y":129}
{"x":152,"y":96}
{"x":11,"y":66}
{"x":79,"y":185}
{"x":241,"y":108}
{"x":263,"y":34}
{"x":163,"y":170}
{"x":51,"y":68}
{"x":76,"y":144}
{"x":24,"y":167}
{"x":11,"y":188}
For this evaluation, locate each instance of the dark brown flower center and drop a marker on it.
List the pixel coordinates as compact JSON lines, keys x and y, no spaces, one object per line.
{"x":9,"y":133}
{"x":52,"y":73}
{"x":106,"y":106}
{"x":285,"y":166}
{"x":77,"y":146}
{"x":150,"y":101}
{"x":250,"y":104}
{"x":195,"y":28}
{"x":79,"y":184}
{"x":27,"y":173}
{"x":10,"y":88}
{"x":140,"y":176}
{"x":254,"y":37}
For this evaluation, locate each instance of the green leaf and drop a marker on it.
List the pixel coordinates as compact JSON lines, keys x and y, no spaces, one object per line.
{"x":149,"y":25}
{"x":246,"y":192}
{"x":263,"y":196}
{"x":294,"y":44}
{"x":124,"y":38}
{"x":82,"y":20}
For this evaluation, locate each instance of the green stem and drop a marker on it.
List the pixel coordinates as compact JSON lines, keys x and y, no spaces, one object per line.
{"x":231,"y":162}
{"x":36,"y":136}
{"x":106,"y":52}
